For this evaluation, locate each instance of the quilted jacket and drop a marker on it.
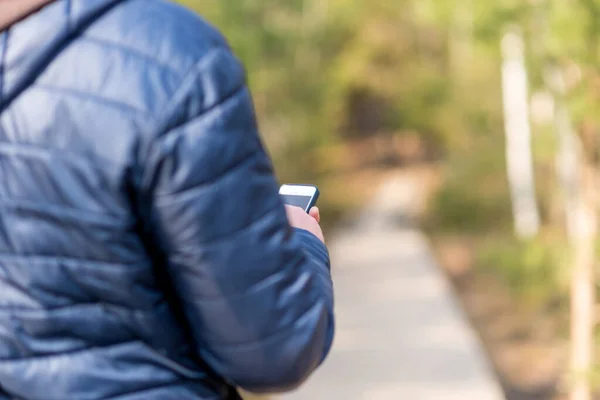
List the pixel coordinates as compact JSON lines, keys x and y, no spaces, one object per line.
{"x":144,"y":250}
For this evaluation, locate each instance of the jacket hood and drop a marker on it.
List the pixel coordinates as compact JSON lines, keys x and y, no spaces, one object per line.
{"x":27,"y":45}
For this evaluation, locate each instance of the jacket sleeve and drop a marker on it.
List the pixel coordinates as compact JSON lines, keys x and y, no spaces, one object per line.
{"x":256,"y":293}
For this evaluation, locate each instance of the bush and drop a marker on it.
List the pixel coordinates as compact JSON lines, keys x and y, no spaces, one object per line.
{"x":534,"y":270}
{"x":474,"y":196}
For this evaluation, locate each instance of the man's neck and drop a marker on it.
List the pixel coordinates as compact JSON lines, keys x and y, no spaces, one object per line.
{"x":12,"y":11}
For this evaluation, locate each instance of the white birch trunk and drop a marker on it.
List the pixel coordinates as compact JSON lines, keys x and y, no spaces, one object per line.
{"x":518,"y":137}
{"x":578,"y":187}
{"x":583,"y":291}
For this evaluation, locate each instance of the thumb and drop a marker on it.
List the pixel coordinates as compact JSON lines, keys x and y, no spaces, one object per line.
{"x":315,"y":213}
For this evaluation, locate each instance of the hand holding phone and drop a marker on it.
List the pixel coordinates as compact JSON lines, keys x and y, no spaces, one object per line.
{"x":300,"y":201}
{"x":300,"y":219}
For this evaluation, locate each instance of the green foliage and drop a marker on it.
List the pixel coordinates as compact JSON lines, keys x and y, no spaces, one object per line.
{"x":535,"y":270}
{"x":324,"y":71}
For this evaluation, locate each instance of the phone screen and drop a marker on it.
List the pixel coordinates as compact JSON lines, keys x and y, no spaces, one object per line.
{"x":296,"y":200}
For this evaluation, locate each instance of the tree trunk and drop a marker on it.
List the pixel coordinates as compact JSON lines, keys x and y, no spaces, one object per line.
{"x":583,"y":288}
{"x":577,"y":181}
{"x":518,"y":137}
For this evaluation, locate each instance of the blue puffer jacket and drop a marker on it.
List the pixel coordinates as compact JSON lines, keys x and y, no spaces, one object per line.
{"x":144,"y":250}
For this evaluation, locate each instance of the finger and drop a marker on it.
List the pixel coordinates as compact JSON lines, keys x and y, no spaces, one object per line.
{"x":293,"y":209}
{"x":315,"y":213}
{"x":290,"y":211}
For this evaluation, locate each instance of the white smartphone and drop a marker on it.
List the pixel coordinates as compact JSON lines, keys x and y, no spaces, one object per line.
{"x":303,"y":196}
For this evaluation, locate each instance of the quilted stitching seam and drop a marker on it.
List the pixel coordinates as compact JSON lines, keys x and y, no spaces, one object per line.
{"x":3,"y":45}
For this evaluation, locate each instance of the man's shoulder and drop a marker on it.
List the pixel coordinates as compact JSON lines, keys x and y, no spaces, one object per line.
{"x":151,"y":54}
{"x":166,"y":33}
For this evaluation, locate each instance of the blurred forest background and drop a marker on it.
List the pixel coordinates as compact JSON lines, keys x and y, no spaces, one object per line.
{"x":346,"y":90}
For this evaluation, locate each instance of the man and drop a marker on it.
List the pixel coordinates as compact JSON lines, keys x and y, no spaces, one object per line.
{"x":144,"y":250}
